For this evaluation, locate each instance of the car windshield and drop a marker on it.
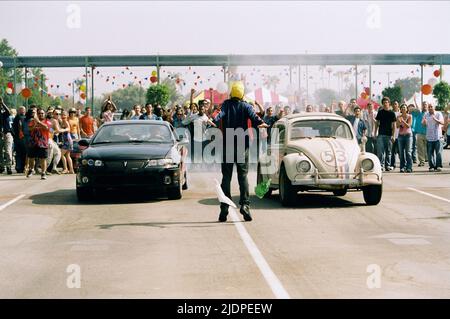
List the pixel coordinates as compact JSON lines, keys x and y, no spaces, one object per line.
{"x":320,"y":128}
{"x":133,"y":133}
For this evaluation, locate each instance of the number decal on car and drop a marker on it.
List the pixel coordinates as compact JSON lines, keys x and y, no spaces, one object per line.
{"x":329,"y":159}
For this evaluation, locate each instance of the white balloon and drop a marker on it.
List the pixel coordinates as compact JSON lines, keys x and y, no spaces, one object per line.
{"x":222,"y":87}
{"x":9,"y":90}
{"x":432,"y":81}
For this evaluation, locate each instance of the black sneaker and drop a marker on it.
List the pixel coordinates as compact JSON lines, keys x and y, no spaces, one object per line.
{"x":29,"y":173}
{"x":245,"y":211}
{"x":9,"y":171}
{"x":43,"y":176}
{"x":223,"y":216}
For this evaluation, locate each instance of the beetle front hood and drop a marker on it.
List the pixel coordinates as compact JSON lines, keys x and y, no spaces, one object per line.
{"x":329,"y":154}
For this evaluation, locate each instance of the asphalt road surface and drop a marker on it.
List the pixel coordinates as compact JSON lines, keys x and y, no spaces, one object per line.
{"x":142,"y":246}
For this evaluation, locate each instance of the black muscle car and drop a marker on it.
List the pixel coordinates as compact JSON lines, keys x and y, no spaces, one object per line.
{"x":132,"y":154}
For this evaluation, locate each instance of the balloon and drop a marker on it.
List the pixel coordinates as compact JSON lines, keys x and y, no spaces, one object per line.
{"x":1,"y":64}
{"x":26,"y":93}
{"x":83,"y":88}
{"x":9,"y":91}
{"x":432,"y":81}
{"x":154,"y":73}
{"x":153,"y":79}
{"x":222,"y":87}
{"x":367,"y":90}
{"x":123,"y":85}
{"x":83,"y":95}
{"x":436,"y":73}
{"x":426,"y":89}
{"x":364,"y":95}
{"x":10,"y":85}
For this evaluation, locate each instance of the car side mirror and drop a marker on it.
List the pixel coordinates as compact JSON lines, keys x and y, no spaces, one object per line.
{"x":83,"y":143}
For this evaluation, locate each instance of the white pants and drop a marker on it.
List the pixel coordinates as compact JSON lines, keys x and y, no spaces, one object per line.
{"x":54,"y":153}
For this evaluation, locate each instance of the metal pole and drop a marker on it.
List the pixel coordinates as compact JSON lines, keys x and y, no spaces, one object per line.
{"x":157,"y":68}
{"x":73,"y":94}
{"x":290,"y":74}
{"x":42,"y":90}
{"x":87,"y":83}
{"x":26,"y":85}
{"x":307,"y":85}
{"x":15,"y":84}
{"x":440,"y":73}
{"x":356,"y":82}
{"x":224,"y":74}
{"x":421,"y":84}
{"x":92,"y":89}
{"x":299,"y":84}
{"x":370,"y":82}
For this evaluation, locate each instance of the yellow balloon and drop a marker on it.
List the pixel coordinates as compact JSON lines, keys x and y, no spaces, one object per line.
{"x":154,"y":73}
{"x":83,"y":87}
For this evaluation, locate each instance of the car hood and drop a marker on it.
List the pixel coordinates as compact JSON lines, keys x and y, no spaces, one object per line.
{"x":329,"y":154}
{"x":127,"y":151}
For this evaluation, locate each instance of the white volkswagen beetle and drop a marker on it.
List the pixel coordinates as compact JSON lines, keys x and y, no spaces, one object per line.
{"x":318,"y":151}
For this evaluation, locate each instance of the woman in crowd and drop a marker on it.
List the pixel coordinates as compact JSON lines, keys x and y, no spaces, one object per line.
{"x":404,"y":121}
{"x":74,"y":123}
{"x":67,"y":144}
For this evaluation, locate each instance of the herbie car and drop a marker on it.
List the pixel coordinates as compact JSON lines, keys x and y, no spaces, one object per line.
{"x":318,"y":151}
{"x":145,"y":155}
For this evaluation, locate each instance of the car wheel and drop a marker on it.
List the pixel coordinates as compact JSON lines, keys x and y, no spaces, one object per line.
{"x":185,"y":184}
{"x":340,"y":192}
{"x":372,"y":194}
{"x":175,"y":192}
{"x":259,"y":179}
{"x":84,"y":194}
{"x":288,"y":193}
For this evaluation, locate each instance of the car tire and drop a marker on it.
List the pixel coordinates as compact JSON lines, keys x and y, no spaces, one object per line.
{"x":340,"y":192}
{"x":372,"y":194}
{"x":259,"y":179}
{"x":288,"y":193}
{"x":84,"y":194}
{"x":175,"y":192}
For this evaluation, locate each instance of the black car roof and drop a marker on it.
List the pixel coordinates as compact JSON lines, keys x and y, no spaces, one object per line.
{"x":120,"y":122}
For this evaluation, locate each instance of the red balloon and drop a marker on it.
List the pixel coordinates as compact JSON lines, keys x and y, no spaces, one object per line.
{"x":26,"y":93}
{"x":363,"y":95}
{"x":10,"y":85}
{"x":427,"y":89}
{"x":437,"y":73}
{"x":83,"y":95}
{"x":153,"y":79}
{"x":123,"y":85}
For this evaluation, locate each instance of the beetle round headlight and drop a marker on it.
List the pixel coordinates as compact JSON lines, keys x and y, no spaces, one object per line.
{"x":90,"y":162}
{"x":367,"y":164}
{"x":84,"y":162}
{"x":303,"y":166}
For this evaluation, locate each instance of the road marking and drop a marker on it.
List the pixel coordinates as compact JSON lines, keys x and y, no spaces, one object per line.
{"x":270,"y":277}
{"x":12,"y":201}
{"x":428,"y":194}
{"x":404,"y":239}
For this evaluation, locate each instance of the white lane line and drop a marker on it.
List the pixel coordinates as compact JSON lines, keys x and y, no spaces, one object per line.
{"x":270,"y":277}
{"x":12,"y":201}
{"x":428,"y":194}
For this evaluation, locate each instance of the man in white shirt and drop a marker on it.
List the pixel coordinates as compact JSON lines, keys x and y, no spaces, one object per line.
{"x":434,"y":120}
{"x":369,"y":116}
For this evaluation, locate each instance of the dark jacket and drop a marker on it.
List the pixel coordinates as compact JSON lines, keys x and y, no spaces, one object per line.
{"x":236,"y":114}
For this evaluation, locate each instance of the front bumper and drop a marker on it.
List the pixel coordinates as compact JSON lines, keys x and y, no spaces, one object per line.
{"x":149,"y":178}
{"x":348,"y":180}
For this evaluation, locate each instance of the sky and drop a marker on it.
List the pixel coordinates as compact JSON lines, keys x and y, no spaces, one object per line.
{"x":223,"y":27}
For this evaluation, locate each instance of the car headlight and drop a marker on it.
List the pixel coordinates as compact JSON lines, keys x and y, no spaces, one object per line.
{"x":90,"y":162}
{"x":160,"y":162}
{"x":367,"y":164}
{"x":98,"y":163}
{"x":165,"y":161}
{"x":84,"y":162}
{"x":303,"y":166}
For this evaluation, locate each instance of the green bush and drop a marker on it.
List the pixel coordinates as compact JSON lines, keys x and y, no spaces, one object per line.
{"x":441,"y":92}
{"x":158,"y":95}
